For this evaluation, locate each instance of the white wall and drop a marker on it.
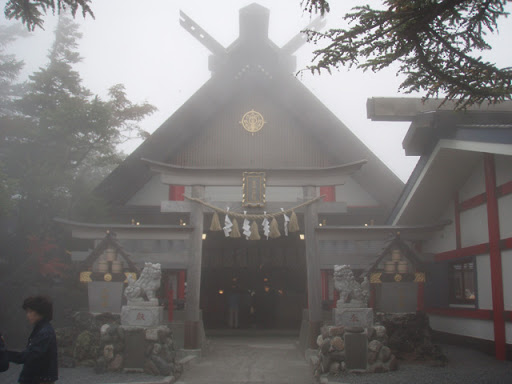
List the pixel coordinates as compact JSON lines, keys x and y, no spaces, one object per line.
{"x":474,"y":185}
{"x":483,"y":281}
{"x":482,"y":329}
{"x":506,"y":263}
{"x":354,"y":195}
{"x":508,"y":333}
{"x":152,"y":193}
{"x":444,"y":240}
{"x":505,"y":214}
{"x":504,"y":175}
{"x":503,"y":169}
{"x":473,"y":226}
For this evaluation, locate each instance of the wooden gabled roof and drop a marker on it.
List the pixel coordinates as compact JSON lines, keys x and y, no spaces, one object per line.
{"x":252,"y":63}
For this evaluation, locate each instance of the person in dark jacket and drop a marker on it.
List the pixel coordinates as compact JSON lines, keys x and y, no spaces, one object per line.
{"x":4,"y":361}
{"x":39,"y":358}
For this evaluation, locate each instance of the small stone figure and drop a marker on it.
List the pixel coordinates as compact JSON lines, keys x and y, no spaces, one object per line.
{"x":351,"y":292}
{"x":146,"y":285}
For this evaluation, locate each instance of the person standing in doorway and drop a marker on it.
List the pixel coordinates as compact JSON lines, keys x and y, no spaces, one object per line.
{"x":4,"y":361}
{"x":39,"y":358}
{"x":234,"y":307}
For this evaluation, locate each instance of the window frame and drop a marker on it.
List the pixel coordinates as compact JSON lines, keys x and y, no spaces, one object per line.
{"x":453,"y":299}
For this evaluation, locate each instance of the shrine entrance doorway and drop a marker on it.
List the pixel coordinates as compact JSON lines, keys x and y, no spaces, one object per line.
{"x":264,"y":280}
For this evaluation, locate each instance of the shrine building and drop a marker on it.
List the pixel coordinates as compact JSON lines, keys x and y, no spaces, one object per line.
{"x":253,"y":186}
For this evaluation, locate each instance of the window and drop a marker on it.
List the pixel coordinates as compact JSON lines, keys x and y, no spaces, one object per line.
{"x":463,"y":282}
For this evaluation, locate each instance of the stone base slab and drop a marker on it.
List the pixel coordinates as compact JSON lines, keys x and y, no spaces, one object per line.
{"x":353,"y":317}
{"x":142,"y":316}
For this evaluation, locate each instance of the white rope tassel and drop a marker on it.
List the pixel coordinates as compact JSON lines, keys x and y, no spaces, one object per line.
{"x":246,"y":227}
{"x":266,"y":226}
{"x":286,"y":222}
{"x":227,"y":224}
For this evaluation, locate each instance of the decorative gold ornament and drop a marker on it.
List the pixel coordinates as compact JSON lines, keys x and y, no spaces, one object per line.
{"x":398,"y":278}
{"x":107,"y":277}
{"x":85,"y":277}
{"x":375,"y":278}
{"x":252,"y":121}
{"x":419,"y":277}
{"x":132,"y":274}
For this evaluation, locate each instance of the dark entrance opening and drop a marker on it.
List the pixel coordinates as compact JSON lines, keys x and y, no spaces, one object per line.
{"x":253,"y":284}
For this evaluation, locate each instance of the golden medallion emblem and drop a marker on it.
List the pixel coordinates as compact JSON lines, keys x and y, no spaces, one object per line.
{"x":252,"y":121}
{"x":107,"y":277}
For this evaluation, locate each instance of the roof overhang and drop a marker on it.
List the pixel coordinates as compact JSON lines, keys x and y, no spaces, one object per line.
{"x":284,"y":177}
{"x":407,"y":108}
{"x":92,"y":231}
{"x":447,"y":168}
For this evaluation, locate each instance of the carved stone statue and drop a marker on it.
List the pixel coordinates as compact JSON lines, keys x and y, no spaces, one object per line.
{"x":352,"y":293}
{"x":146,"y":285}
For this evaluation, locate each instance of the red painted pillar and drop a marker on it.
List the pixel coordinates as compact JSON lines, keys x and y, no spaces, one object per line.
{"x":495,"y":256}
{"x":325,"y":285}
{"x":421,"y":297}
{"x":170,"y":300}
{"x":176,"y":192}
{"x":329,"y":192}
{"x":336,"y":297}
{"x":372,"y":296}
{"x":181,"y":285}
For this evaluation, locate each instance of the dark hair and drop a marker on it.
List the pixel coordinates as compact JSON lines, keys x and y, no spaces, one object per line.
{"x":40,"y":304}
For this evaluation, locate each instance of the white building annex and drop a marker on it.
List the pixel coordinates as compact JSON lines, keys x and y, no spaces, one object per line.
{"x":464,"y":175}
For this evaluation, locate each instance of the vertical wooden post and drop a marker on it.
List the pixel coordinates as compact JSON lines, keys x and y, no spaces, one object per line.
{"x":181,"y":285}
{"x":192,"y":311}
{"x":495,"y":256}
{"x":313,"y":268}
{"x":325,"y":286}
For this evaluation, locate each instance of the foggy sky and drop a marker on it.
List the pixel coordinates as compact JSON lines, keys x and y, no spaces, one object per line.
{"x":142,"y":45}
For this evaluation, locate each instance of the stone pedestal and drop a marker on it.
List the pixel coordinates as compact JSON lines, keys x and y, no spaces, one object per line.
{"x":353,"y":317}
{"x":356,"y":322}
{"x":105,"y":297}
{"x":356,"y":350}
{"x":142,"y":315}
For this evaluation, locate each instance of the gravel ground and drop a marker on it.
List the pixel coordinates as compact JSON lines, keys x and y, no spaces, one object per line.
{"x":465,"y":366}
{"x":83,"y":376}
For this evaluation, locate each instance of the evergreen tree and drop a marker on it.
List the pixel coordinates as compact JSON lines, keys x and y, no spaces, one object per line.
{"x":31,"y":12}
{"x":10,"y":68}
{"x":66,"y":136}
{"x":437,"y":44}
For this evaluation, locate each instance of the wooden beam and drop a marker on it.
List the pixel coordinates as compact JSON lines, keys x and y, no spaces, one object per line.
{"x":126,"y":231}
{"x":324,"y":208}
{"x":284,"y":177}
{"x":201,"y":35}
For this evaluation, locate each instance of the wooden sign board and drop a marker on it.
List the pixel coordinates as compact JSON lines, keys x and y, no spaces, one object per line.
{"x":253,"y":187}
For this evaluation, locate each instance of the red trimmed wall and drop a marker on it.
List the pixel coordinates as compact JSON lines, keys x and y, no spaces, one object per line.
{"x":494,"y":247}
